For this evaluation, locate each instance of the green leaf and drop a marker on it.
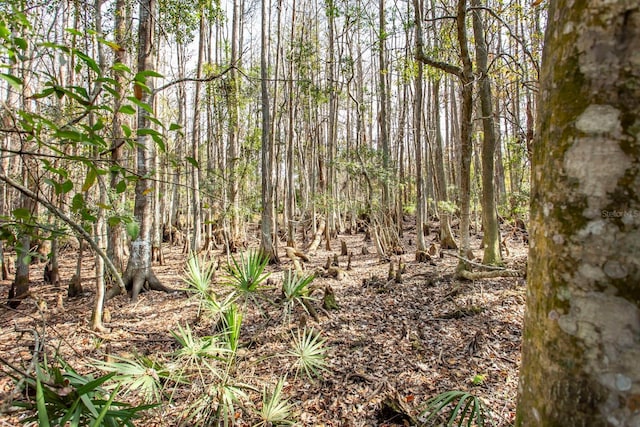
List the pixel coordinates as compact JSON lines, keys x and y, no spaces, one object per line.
{"x":20,"y":42}
{"x":98,"y":126}
{"x":90,"y":179}
{"x":66,"y":186}
{"x":127,"y":109}
{"x":142,"y":75}
{"x":140,"y":104}
{"x":126,"y":130}
{"x":86,"y":215}
{"x":77,"y":202}
{"x":43,"y":418}
{"x":70,"y":135}
{"x":174,"y":126}
{"x":45,"y":93}
{"x":12,"y":80}
{"x":133,"y":229}
{"x":98,"y":421}
{"x":193,"y":161}
{"x":147,"y":131}
{"x":160,"y":142}
{"x":114,"y":220}
{"x":121,"y":186}
{"x":89,"y":61}
{"x":21,"y":213}
{"x":118,"y":66}
{"x":74,"y":32}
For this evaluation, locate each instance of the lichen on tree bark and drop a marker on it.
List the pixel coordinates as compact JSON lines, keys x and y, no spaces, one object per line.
{"x":580,"y":341}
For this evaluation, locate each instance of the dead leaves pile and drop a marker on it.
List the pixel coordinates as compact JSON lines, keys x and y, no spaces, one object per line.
{"x":391,"y":345}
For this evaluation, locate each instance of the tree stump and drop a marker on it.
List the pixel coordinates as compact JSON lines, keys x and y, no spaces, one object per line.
{"x":75,"y":287}
{"x":329,"y":299}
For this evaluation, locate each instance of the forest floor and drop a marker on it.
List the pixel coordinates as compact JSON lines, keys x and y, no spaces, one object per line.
{"x":402,"y":342}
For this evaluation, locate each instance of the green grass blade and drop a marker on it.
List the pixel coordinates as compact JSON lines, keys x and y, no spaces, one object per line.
{"x":43,"y":417}
{"x":98,"y":421}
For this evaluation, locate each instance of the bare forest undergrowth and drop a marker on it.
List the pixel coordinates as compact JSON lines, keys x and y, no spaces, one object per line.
{"x":403,"y":341}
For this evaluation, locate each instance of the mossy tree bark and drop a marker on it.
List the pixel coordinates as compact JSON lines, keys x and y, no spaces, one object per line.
{"x":580,"y":344}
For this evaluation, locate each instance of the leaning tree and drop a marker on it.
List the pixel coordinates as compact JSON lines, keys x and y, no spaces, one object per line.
{"x":581,"y":341}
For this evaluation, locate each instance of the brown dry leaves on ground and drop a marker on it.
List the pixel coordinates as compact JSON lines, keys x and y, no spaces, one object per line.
{"x":405,"y":341}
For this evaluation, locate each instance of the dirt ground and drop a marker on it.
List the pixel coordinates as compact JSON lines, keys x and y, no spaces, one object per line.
{"x":389,"y":341}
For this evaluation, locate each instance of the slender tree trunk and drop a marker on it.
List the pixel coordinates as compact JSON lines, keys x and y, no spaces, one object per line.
{"x":491,"y":237}
{"x":421,"y":201}
{"x":234,"y":132}
{"x":290,"y":198}
{"x":138,"y":272}
{"x":116,"y":236}
{"x":383,"y":118}
{"x":446,"y":236}
{"x":196,"y":171}
{"x":20,"y":285}
{"x":266,"y":229}
{"x":466,"y":143}
{"x":100,"y":229}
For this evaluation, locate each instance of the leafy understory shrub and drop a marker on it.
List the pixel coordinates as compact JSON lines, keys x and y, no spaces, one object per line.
{"x":275,"y":411}
{"x":139,"y":375}
{"x":247,"y":275}
{"x":295,"y":290}
{"x":195,"y":354}
{"x":65,"y":396}
{"x":199,"y":277}
{"x":233,"y":322}
{"x":461,"y":409}
{"x":310,"y":352}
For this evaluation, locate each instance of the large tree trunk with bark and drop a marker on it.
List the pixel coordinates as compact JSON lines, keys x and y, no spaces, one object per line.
{"x":581,"y":343}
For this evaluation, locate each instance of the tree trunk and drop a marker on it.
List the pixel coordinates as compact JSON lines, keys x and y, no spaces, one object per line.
{"x":138,"y":272}
{"x":234,"y":132}
{"x":466,"y":144}
{"x":383,"y":115}
{"x":4,"y":270}
{"x":100,"y":228}
{"x":421,"y":202}
{"x":266,"y":228}
{"x":491,"y":237}
{"x":116,"y":235}
{"x":20,"y":285}
{"x":446,"y":236}
{"x":582,"y":323}
{"x":196,"y":238}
